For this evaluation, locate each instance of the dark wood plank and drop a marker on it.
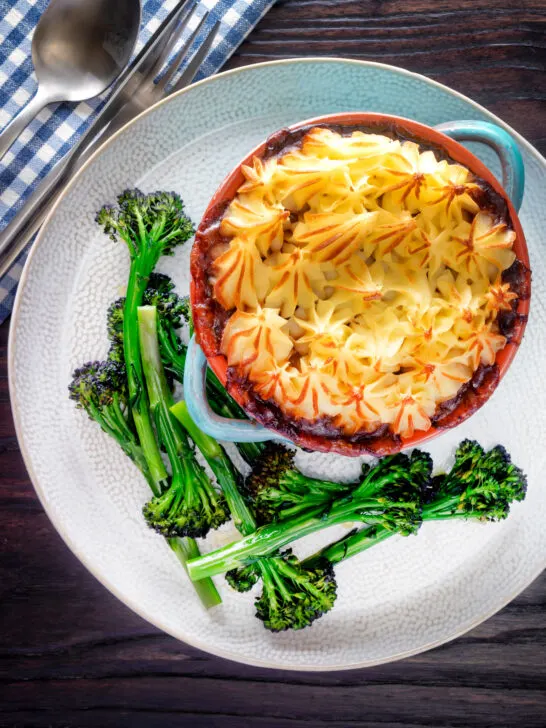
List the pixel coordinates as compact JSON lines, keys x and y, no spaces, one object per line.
{"x":489,"y":50}
{"x":72,"y":655}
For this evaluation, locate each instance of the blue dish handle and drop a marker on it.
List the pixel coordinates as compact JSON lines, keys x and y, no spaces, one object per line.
{"x":513,"y":173}
{"x":229,"y":430}
{"x":221,"y":428}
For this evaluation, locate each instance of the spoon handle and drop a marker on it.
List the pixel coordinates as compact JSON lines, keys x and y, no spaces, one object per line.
{"x":23,"y":118}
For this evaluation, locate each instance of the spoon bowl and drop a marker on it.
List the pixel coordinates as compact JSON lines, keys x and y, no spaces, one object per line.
{"x":79,"y":48}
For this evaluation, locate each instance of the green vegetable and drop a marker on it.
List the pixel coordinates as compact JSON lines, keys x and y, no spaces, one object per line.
{"x":292,"y":597}
{"x":186,"y":549}
{"x":243,"y":578}
{"x":100,"y":388}
{"x":189,"y":505}
{"x":112,"y":392}
{"x":279,"y":491}
{"x":114,"y":327}
{"x":390,"y":494}
{"x":480,"y":486}
{"x":172,"y":311}
{"x":228,"y":477}
{"x":151,"y":226}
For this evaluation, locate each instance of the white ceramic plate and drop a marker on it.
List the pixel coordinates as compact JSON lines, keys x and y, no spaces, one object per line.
{"x":403,"y":596}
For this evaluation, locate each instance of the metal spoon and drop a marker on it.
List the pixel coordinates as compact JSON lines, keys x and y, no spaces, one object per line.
{"x":78,"y":49}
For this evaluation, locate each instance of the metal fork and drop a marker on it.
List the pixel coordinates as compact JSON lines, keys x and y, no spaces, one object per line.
{"x":138,"y":95}
{"x":149,"y":92}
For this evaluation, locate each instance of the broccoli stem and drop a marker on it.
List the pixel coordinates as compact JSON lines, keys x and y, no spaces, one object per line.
{"x":316,"y":493}
{"x":186,"y":549}
{"x":228,"y":477}
{"x":160,"y":396}
{"x":138,"y":280}
{"x":170,"y":434}
{"x":355,"y":543}
{"x":268,"y":539}
{"x":350,"y":545}
{"x":220,"y":401}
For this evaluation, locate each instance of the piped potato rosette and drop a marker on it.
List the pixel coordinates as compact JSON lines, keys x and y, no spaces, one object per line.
{"x":361,"y":279}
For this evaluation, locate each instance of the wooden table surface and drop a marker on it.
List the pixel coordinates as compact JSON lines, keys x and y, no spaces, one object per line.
{"x":73,"y":655}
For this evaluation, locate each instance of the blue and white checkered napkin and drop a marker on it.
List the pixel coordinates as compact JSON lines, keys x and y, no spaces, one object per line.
{"x":54,"y":131}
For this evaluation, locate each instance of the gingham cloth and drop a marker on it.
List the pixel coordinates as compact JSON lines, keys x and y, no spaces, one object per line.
{"x":58,"y":127}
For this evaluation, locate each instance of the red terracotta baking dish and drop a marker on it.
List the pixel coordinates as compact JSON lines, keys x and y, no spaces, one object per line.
{"x":267,"y":420}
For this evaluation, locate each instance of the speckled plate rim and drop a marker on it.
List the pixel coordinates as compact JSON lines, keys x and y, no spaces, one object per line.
{"x":57,"y":522}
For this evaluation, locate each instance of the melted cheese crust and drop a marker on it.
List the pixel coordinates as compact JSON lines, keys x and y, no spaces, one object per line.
{"x":365,"y":281}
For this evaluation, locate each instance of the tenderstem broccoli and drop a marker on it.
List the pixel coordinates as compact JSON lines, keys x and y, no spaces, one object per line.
{"x":278,"y":490}
{"x":99,"y":388}
{"x":173,"y":310}
{"x":390,"y":494}
{"x":228,"y":477}
{"x":292,"y":597}
{"x":480,"y":486}
{"x":151,"y":226}
{"x":189,"y":505}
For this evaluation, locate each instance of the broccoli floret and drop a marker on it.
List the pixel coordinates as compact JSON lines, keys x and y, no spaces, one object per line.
{"x":480,"y":485}
{"x":392,"y":492}
{"x":189,"y":505}
{"x":150,"y":225}
{"x":243,"y":578}
{"x":160,"y":293}
{"x":100,"y":388}
{"x":98,"y":384}
{"x":294,"y":596}
{"x":277,"y":490}
{"x":114,"y":327}
{"x":186,"y":312}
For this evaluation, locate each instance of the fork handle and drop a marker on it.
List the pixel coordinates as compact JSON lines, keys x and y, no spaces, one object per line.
{"x":23,"y":119}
